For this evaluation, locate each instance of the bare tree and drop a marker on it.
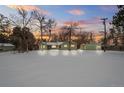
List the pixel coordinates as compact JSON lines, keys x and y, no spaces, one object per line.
{"x":44,"y":24}
{"x":70,"y":28}
{"x":49,"y":26}
{"x":82,"y":38}
{"x":4,"y":29}
{"x":21,"y":30}
{"x":41,"y":21}
{"x":24,"y":18}
{"x":4,"y":23}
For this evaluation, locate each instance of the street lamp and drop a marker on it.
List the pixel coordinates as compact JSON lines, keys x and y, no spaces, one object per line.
{"x":104,"y":23}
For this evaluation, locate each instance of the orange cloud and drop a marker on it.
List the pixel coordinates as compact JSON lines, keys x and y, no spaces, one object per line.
{"x":76,"y":12}
{"x":44,"y":12}
{"x":29,"y":8}
{"x":25,"y":7}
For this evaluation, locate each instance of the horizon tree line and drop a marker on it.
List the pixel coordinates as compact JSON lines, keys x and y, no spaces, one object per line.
{"x":20,"y":33}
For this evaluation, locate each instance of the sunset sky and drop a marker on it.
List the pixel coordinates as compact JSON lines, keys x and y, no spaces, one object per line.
{"x":88,"y":15}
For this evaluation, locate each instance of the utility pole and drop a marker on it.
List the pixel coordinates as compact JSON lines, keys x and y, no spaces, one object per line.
{"x":70,"y":31}
{"x":104,"y":23}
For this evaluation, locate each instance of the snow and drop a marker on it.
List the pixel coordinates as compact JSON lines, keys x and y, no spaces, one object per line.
{"x":50,"y":68}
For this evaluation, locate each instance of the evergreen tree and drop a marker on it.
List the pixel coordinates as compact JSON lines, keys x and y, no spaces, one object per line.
{"x":118,"y":22}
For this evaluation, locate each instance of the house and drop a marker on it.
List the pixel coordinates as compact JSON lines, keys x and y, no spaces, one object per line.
{"x":51,"y":45}
{"x":72,"y":46}
{"x":58,"y":45}
{"x":6,"y":47}
{"x":90,"y":47}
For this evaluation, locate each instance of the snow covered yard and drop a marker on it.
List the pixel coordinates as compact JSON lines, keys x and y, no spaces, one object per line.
{"x":62,"y":68}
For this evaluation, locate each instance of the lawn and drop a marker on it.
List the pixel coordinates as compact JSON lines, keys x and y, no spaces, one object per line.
{"x":62,"y":68}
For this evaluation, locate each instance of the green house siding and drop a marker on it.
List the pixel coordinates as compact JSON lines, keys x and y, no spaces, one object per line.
{"x":90,"y":47}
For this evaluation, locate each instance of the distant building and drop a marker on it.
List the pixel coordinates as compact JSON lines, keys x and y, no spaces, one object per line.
{"x":6,"y":46}
{"x":58,"y":45}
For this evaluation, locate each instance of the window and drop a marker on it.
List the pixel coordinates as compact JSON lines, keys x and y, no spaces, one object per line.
{"x":65,"y":46}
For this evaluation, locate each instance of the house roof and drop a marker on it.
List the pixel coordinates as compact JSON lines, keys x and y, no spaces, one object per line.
{"x":53,"y":43}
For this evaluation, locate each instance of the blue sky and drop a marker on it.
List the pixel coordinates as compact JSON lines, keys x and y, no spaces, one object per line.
{"x":91,"y":11}
{"x":84,"y":13}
